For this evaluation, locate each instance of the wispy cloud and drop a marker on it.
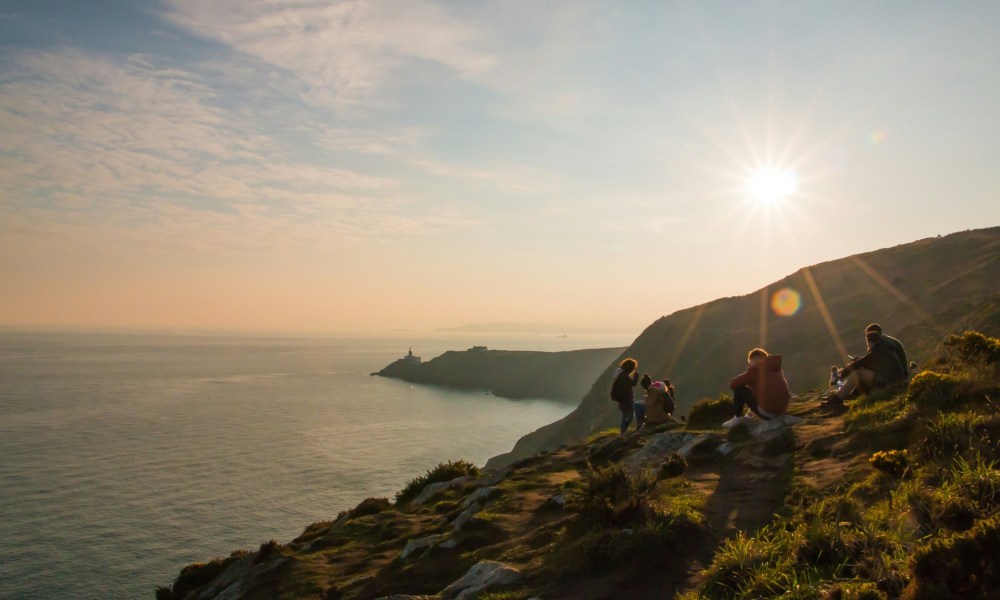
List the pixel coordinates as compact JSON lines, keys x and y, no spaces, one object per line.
{"x":99,"y":141}
{"x":346,"y":53}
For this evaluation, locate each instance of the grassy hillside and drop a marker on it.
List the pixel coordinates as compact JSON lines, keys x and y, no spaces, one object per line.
{"x":897,"y":497}
{"x":918,"y":292}
{"x":511,"y":374}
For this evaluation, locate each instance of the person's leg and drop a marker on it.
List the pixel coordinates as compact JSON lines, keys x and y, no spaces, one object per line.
{"x":743,"y":397}
{"x":860,"y":378}
{"x":640,"y":414}
{"x":626,"y":419}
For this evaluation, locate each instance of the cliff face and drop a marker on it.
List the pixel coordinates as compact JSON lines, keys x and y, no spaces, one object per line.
{"x":916,"y":291}
{"x":512,"y":374}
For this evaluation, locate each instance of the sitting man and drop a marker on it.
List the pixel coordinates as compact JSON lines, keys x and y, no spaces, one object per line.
{"x":762,"y":388}
{"x":897,"y":346}
{"x":659,"y":404}
{"x":880,"y":367}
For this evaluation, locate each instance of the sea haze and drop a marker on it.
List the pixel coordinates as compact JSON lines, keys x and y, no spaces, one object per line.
{"x":124,"y":458}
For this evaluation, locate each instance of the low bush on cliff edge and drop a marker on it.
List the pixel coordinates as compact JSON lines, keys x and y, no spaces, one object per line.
{"x":443,"y":472}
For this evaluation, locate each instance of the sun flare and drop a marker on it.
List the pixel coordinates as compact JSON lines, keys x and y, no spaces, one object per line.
{"x":772,"y":185}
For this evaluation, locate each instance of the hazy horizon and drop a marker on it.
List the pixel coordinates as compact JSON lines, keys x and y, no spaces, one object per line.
{"x":314,"y":168}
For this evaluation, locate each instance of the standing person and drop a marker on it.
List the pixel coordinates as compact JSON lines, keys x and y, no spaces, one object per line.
{"x":879,"y":367}
{"x":659,"y":404}
{"x":835,"y":380}
{"x":625,"y":378}
{"x":762,"y":388}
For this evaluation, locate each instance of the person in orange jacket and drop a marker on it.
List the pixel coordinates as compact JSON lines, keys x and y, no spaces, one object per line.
{"x":762,"y":388}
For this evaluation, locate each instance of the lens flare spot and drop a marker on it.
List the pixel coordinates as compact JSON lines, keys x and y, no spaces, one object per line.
{"x":877,"y":137}
{"x":786,"y":302}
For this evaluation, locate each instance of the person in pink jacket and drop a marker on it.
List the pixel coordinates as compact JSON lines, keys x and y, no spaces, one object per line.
{"x":762,"y":388}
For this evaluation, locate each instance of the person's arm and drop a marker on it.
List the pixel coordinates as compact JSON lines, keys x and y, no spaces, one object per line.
{"x":635,"y":377}
{"x":744,"y":378}
{"x":855,"y":365}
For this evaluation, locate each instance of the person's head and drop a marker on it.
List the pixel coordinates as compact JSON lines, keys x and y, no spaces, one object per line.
{"x":873,"y":327}
{"x":646,"y":381}
{"x":834,"y":369}
{"x":872,"y":336}
{"x":666,"y":383}
{"x":756,"y":355}
{"x":628,"y":365}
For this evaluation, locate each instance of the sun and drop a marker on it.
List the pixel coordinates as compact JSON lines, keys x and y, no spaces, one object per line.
{"x":769,"y":186}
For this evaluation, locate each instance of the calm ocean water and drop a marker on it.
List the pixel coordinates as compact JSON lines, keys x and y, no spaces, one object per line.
{"x":124,"y":458}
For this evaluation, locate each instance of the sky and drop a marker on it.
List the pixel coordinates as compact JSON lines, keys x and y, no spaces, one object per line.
{"x":333,"y":167}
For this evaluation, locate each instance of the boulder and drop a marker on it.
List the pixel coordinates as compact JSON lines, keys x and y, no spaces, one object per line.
{"x":700,"y":444}
{"x":658,"y":447}
{"x":483,"y":493}
{"x":422,"y":544}
{"x":483,"y":576}
{"x":466,"y":516}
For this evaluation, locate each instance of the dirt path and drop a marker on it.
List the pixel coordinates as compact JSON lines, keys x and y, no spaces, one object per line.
{"x":746,"y":491}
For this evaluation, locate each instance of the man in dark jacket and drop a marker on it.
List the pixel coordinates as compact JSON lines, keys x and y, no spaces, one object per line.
{"x":897,"y":346}
{"x":879,"y":367}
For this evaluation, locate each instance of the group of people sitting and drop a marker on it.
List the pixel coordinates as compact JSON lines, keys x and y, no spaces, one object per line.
{"x":762,"y":389}
{"x":657,"y":405}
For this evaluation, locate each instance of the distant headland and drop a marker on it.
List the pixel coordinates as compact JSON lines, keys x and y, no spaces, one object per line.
{"x":565,"y":376}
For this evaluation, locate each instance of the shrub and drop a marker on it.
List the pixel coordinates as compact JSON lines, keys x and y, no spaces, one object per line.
{"x":369,"y":506}
{"x":892,"y":462}
{"x":195,"y":576}
{"x":673,"y":466}
{"x":709,"y":412}
{"x":267,"y":550}
{"x":604,"y":550}
{"x":929,"y":389}
{"x":443,"y":472}
{"x":979,"y":481}
{"x":973,"y":349}
{"x":613,"y":497}
{"x":962,"y":565}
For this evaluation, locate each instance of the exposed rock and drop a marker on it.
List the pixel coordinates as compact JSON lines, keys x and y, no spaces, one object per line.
{"x":466,"y":516}
{"x":424,"y":543}
{"x":557,"y":501}
{"x":483,"y":493}
{"x":480,"y":578}
{"x":701,"y":444}
{"x":434,"y":488}
{"x":233,"y":577}
{"x":726,"y":449}
{"x":657,"y":448}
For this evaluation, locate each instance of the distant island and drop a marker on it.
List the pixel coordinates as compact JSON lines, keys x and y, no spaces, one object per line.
{"x":565,"y":376}
{"x":534,"y":328}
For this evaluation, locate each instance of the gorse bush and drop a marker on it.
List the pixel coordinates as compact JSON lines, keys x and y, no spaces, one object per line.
{"x":973,"y":350}
{"x":443,"y":472}
{"x":929,"y":389}
{"x":892,"y":462}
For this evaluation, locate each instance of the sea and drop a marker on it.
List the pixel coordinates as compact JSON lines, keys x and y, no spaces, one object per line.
{"x":125,"y":457}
